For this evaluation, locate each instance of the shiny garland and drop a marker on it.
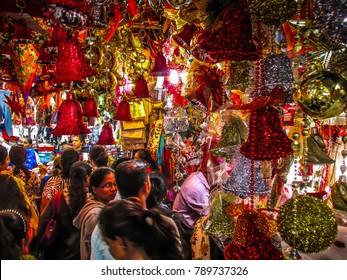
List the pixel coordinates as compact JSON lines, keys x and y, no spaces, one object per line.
{"x":314,"y":223}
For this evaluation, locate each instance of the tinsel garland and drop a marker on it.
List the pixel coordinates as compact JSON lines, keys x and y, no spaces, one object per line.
{"x":307,"y":224}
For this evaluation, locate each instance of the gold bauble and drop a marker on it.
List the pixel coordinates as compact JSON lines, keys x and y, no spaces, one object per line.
{"x":323,"y":95}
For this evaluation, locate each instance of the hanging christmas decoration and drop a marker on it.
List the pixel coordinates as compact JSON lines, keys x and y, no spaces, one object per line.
{"x":91,"y":108}
{"x":70,"y":118}
{"x":310,"y":226}
{"x":123,"y":111}
{"x":72,"y":65}
{"x":271,"y":141}
{"x":316,"y":149}
{"x":273,"y":12}
{"x":185,"y":37}
{"x":106,"y":135}
{"x":141,"y":88}
{"x":322,"y":95}
{"x":239,"y":181}
{"x":22,"y":33}
{"x":160,"y":66}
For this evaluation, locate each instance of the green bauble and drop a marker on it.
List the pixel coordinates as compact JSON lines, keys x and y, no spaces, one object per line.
{"x":307,"y":224}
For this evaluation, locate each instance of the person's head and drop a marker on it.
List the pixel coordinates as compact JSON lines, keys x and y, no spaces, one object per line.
{"x":68,"y":157}
{"x":145,"y":155}
{"x":10,"y":195}
{"x":56,"y":166}
{"x":132,"y":179}
{"x":102,"y":184}
{"x":119,"y":161}
{"x":132,"y":232}
{"x":98,"y":156}
{"x":27,"y":142}
{"x":79,"y":181}
{"x":159,"y":187}
{"x":18,"y":156}
{"x":13,"y":234}
{"x":77,"y":141}
{"x":4,"y":158}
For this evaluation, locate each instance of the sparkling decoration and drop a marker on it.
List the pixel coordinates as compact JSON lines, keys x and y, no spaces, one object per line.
{"x":339,"y":195}
{"x":123,"y":111}
{"x":90,"y":109}
{"x":141,"y":88}
{"x":316,"y":149}
{"x":253,"y":235}
{"x":185,"y":37}
{"x":239,"y":181}
{"x":238,"y":75}
{"x":106,"y":135}
{"x":70,"y":118}
{"x":160,"y":66}
{"x":72,"y":65}
{"x":322,"y":95}
{"x":278,"y":72}
{"x":309,"y":227}
{"x":273,"y":12}
{"x":218,"y":223}
{"x":331,"y":19}
{"x":271,"y":141}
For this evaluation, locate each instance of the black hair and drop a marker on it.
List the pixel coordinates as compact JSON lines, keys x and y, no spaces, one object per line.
{"x":119,"y":161}
{"x":159,"y":187}
{"x":30,"y":141}
{"x":3,"y":154}
{"x":147,"y":229}
{"x":77,"y":189}
{"x":68,"y":157}
{"x":97,"y":176}
{"x":98,"y":155}
{"x":146,"y":156}
{"x":131,"y":175}
{"x":18,"y":156}
{"x":13,"y":230}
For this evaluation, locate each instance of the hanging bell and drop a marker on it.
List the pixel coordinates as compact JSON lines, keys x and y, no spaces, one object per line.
{"x":106,"y":135}
{"x":160,"y":66}
{"x":91,"y":108}
{"x":21,"y":33}
{"x":72,"y":65}
{"x":185,"y":37}
{"x":123,"y":111}
{"x":70,"y":118}
{"x":266,"y":139}
{"x":141,"y":88}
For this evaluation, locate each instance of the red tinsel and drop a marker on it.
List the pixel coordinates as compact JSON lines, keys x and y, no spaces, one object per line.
{"x":141,"y":88}
{"x":266,"y":139}
{"x":72,"y":65}
{"x":91,"y":108}
{"x":70,"y":119}
{"x":106,"y":135}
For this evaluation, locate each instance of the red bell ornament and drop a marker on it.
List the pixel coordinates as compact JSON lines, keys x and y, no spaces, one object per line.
{"x":70,"y":118}
{"x":160,"y":66}
{"x":91,"y":108}
{"x":141,"y":88}
{"x":185,"y":37}
{"x":72,"y":65}
{"x":123,"y":111}
{"x":266,"y":139}
{"x":106,"y":135}
{"x":21,"y":33}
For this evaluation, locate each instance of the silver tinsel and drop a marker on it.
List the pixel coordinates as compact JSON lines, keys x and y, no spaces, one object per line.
{"x":331,"y":18}
{"x":239,"y":181}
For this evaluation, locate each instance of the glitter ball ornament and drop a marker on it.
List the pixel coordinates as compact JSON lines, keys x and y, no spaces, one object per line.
{"x":91,"y":108}
{"x":322,"y":95}
{"x":266,"y":138}
{"x":239,"y":182}
{"x":72,"y":65}
{"x":273,"y":12}
{"x":106,"y":135}
{"x":278,"y":72}
{"x":307,"y":224}
{"x":70,"y":118}
{"x":331,"y":18}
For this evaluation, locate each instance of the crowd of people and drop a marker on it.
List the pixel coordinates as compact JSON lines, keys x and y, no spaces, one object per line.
{"x":106,"y":209}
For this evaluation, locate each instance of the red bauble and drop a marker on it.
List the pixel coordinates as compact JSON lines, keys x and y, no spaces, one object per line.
{"x":106,"y":135}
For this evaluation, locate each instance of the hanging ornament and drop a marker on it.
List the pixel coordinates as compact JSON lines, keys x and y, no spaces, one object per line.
{"x":106,"y":135}
{"x":45,"y":57}
{"x":266,"y":139}
{"x":24,"y":58}
{"x":70,"y":118}
{"x":91,"y":108}
{"x":123,"y":111}
{"x":322,"y":95}
{"x":141,"y":88}
{"x":185,"y":37}
{"x":160,"y":67}
{"x":310,"y":226}
{"x":22,"y":33}
{"x":72,"y":65}
{"x":239,"y":181}
{"x":273,"y":12}
{"x":316,"y":149}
